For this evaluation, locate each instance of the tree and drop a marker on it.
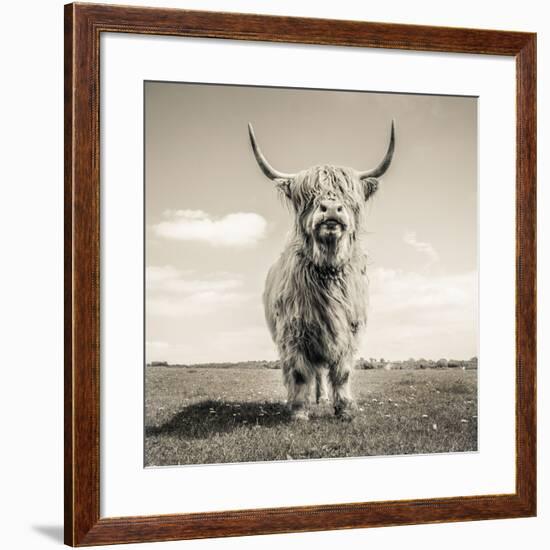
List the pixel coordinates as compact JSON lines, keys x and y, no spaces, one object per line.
{"x":364,"y":364}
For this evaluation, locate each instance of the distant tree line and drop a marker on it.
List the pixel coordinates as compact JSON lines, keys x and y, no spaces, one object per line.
{"x":362,"y":364}
{"x":227,"y":365}
{"x":411,"y":364}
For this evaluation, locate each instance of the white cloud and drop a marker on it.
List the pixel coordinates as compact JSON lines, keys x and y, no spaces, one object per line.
{"x":421,"y":315}
{"x":240,"y":229}
{"x":396,"y":290}
{"x":423,"y":247}
{"x":173,"y":293}
{"x":168,"y":279}
{"x":202,"y":303}
{"x":156,"y":344}
{"x":157,"y":275}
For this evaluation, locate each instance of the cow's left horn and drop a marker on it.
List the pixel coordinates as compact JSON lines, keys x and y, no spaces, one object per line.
{"x":267,"y":169}
{"x":386,"y":161}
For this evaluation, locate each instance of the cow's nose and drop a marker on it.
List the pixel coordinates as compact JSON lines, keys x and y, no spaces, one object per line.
{"x":330,"y":208}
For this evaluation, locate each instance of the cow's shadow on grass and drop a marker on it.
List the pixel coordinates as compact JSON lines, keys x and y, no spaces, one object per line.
{"x":207,"y":418}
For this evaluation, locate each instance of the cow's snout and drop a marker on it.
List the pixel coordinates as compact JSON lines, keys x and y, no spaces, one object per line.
{"x":330,"y":219}
{"x":331,"y":209}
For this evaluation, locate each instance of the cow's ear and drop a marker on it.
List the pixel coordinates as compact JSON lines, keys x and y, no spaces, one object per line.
{"x":370,"y":186}
{"x":284,"y":187}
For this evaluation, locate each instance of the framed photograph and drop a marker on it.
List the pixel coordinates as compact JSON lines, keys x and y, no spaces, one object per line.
{"x":300,"y":274}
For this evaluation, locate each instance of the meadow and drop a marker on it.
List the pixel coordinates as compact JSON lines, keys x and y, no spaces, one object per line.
{"x":207,"y":415}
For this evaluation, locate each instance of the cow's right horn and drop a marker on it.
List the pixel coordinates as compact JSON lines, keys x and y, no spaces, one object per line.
{"x":267,"y":169}
{"x":386,"y":161}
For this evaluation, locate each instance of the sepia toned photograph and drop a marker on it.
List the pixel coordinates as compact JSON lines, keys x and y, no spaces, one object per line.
{"x":311,"y":274}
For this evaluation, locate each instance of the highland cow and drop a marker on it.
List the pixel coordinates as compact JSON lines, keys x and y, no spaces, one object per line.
{"x":315,"y":296}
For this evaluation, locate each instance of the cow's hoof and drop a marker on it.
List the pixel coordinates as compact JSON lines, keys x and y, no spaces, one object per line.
{"x":345,"y":415}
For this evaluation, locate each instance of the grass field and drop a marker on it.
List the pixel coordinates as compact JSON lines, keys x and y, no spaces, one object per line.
{"x":212,"y":415}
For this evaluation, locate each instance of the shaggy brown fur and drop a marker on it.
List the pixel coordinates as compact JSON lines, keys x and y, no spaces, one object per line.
{"x":315,"y":297}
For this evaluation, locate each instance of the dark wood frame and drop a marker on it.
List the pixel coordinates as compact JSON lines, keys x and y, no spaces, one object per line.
{"x":84,"y":24}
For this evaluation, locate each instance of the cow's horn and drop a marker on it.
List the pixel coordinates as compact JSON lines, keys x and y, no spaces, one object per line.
{"x":386,"y":161}
{"x":267,"y":169}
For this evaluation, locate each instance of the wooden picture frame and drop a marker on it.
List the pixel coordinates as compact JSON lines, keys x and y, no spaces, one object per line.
{"x":84,"y":24}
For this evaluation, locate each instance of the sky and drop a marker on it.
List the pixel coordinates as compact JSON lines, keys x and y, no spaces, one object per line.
{"x":215,"y":223}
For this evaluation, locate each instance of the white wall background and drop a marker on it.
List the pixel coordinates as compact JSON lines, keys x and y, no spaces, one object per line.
{"x":31,"y":111}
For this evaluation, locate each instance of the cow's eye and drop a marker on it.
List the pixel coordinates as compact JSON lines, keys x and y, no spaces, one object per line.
{"x":339,"y":209}
{"x":323,"y":208}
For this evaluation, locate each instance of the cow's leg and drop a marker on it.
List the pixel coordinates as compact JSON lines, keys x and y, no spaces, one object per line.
{"x":340,"y":378}
{"x":321,"y":389}
{"x":298,"y":378}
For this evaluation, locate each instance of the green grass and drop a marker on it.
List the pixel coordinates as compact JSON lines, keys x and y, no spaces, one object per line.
{"x":209,"y":415}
